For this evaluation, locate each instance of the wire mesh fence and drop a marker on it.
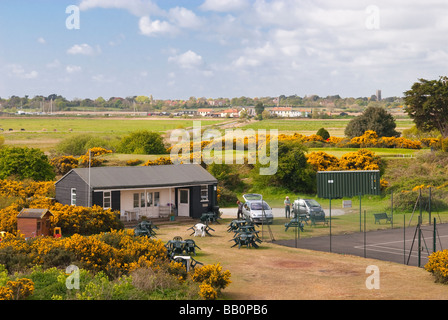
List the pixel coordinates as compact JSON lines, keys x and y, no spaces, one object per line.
{"x":372,"y":230}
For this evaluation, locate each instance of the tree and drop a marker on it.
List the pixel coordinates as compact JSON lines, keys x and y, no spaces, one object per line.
{"x":427,"y":105}
{"x":373,"y":118}
{"x":142,"y":142}
{"x":323,"y":133}
{"x":25,"y":163}
{"x":259,"y":108}
{"x":294,"y":172}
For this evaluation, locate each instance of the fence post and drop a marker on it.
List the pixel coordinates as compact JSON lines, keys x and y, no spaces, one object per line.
{"x":365,"y":254}
{"x":392,"y":207}
{"x":419,"y":239}
{"x":404,"y":238}
{"x":434,"y":248}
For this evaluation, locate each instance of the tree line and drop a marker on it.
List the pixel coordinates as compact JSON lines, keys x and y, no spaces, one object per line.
{"x":141,"y":103}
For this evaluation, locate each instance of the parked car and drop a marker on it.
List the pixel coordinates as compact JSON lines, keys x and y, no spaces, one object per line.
{"x":308,"y":207}
{"x":256,"y":209}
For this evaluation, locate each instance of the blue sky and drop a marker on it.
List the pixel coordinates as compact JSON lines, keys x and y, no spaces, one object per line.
{"x":220,"y":48}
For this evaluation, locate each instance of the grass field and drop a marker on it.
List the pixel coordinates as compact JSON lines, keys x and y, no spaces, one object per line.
{"x":272,"y":271}
{"x":45,"y":133}
{"x":275,"y":272}
{"x":335,"y":127}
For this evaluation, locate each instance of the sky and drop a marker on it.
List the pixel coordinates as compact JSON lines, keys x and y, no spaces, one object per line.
{"x":219,"y":48}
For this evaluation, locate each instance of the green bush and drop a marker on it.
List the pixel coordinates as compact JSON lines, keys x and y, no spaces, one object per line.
{"x":80,"y":144}
{"x":323,"y":133}
{"x":142,"y":142}
{"x":25,"y":163}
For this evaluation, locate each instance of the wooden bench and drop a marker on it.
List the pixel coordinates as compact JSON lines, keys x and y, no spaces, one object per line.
{"x":382,"y":216}
{"x":315,"y":219}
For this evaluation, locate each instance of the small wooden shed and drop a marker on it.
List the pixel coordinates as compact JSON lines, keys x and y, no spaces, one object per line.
{"x":34,"y":222}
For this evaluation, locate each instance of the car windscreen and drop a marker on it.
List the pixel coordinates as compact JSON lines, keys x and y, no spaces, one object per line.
{"x":257,"y":206}
{"x":312,"y":203}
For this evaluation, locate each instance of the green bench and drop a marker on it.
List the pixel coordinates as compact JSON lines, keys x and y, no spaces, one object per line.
{"x":295,"y":222}
{"x":210,"y":217}
{"x":382,"y":216}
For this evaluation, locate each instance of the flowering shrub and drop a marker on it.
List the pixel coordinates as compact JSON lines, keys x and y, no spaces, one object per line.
{"x":26,"y":189}
{"x":21,"y":288}
{"x":361,"y":160}
{"x":438,"y":265}
{"x":133,"y":162}
{"x":8,"y":218}
{"x":114,"y":253}
{"x":334,"y":140}
{"x":64,"y":164}
{"x":94,"y":152}
{"x":158,"y":162}
{"x":212,"y":280}
{"x":6,"y":293}
{"x":368,"y":139}
{"x":431,"y":142}
{"x":207,"y":292}
{"x":393,"y":142}
{"x":322,"y":161}
{"x":83,"y":220}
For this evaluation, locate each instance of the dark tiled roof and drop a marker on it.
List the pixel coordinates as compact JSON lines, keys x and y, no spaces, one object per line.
{"x":145,"y":176}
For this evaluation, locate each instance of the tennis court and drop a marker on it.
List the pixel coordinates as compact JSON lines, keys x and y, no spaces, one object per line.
{"x":397,"y":245}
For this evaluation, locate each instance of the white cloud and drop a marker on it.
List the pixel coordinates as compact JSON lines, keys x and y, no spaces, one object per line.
{"x":83,"y":49}
{"x":224,"y":5}
{"x":41,"y":40}
{"x":155,"y":28}
{"x":187,"y":60}
{"x":184,"y":18}
{"x":73,"y":69}
{"x":16,"y":70}
{"x":53,"y":64}
{"x":101,"y":78}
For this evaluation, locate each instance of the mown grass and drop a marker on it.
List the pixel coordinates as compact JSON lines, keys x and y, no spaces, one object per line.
{"x":278,"y":272}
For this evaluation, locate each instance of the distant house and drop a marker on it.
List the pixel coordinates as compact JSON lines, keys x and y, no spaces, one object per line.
{"x":34,"y":222}
{"x":148,"y":191}
{"x":205,"y":112}
{"x":286,"y":112}
{"x":232,"y":113}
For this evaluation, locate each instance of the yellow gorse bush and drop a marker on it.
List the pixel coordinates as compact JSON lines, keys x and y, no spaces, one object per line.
{"x":26,"y":189}
{"x":438,"y":265}
{"x":322,"y":161}
{"x":361,"y":160}
{"x":116,"y":253}
{"x":213,"y":276}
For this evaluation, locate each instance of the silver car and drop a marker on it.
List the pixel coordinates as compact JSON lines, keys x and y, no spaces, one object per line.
{"x":308,"y":207}
{"x":256,"y":209}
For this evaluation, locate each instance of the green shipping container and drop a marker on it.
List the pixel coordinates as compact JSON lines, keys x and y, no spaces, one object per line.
{"x":347,"y":184}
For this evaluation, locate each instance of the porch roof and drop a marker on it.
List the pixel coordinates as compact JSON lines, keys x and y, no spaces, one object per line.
{"x":145,"y":176}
